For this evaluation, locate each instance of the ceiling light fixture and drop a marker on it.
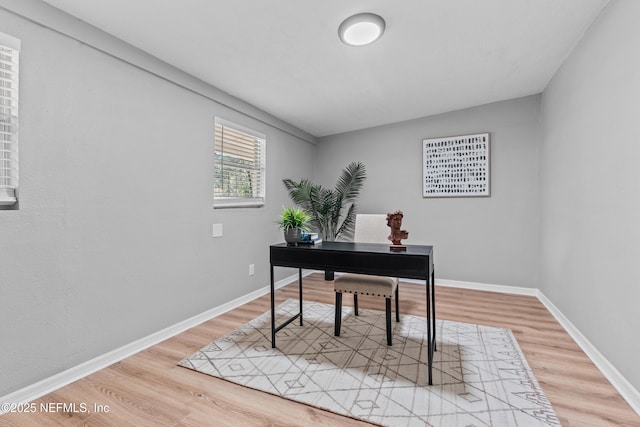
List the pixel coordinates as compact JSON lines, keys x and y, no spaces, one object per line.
{"x":361,"y":29}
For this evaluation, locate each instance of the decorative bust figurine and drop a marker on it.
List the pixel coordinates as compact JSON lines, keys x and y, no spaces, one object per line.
{"x":394,"y":220}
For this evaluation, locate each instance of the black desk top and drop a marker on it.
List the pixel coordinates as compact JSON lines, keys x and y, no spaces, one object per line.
{"x":416,"y":262}
{"x":378,"y":248}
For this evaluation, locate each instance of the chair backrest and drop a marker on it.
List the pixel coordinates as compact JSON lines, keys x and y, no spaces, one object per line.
{"x":371,"y":228}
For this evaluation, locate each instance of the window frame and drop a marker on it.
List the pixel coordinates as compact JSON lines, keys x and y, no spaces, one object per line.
{"x":258,"y":198}
{"x":9,"y":126}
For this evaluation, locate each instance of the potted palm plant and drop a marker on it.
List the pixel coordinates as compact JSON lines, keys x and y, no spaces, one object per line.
{"x":333,"y":212}
{"x":293,"y":221}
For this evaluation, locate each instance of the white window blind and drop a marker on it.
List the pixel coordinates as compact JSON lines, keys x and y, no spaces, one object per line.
{"x":239,"y":166}
{"x":9,"y":49}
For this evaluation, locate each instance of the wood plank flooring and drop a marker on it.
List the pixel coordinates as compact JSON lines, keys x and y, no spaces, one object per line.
{"x":149,"y":389}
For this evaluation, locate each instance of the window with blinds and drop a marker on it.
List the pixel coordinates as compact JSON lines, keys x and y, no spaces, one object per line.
{"x":9,"y":48}
{"x":239,"y":166}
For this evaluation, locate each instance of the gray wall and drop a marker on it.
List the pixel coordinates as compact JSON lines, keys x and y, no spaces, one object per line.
{"x":482,"y":239}
{"x":112,"y":240}
{"x":590,"y":187}
{"x":100,"y":254}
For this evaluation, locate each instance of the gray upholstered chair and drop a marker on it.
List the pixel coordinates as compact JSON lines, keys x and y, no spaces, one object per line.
{"x":370,"y":228}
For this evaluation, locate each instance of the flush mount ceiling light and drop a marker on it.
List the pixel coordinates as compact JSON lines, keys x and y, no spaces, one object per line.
{"x":361,"y":29}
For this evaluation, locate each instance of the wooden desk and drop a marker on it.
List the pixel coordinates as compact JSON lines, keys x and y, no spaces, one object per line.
{"x":364,"y":258}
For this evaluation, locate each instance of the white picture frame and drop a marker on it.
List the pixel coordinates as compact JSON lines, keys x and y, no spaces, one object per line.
{"x":456,"y":166}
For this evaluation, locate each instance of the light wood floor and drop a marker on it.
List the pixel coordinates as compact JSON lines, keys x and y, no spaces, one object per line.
{"x":150,"y":389}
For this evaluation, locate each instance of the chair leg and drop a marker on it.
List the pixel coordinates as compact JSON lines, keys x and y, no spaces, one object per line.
{"x":355,"y":303}
{"x":388,"y":312}
{"x":397,"y":305}
{"x":338,"y":320}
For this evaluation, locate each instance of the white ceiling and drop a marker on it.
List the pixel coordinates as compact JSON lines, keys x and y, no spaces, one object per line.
{"x":284,"y":56}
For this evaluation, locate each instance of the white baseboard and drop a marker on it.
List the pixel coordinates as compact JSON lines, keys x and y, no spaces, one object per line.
{"x":64,"y":378}
{"x":624,"y":387}
{"x":48,"y":385}
{"x":503,"y":289}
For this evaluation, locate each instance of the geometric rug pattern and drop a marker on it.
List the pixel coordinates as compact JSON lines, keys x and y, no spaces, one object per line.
{"x":480,"y":376}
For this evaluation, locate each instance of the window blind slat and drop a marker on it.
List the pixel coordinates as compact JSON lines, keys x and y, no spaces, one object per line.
{"x":238,"y":153}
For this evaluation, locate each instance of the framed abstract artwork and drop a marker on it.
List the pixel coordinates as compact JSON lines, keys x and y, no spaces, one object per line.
{"x":456,"y":166}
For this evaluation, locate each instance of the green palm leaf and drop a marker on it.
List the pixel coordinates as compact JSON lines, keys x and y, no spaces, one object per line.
{"x":351,"y":181}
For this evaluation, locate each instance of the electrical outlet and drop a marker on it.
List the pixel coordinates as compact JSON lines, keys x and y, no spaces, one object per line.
{"x":251,"y":270}
{"x":216,"y":230}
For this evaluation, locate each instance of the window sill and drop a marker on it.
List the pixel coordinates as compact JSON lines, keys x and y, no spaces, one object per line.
{"x":238,"y":205}
{"x":8,"y":205}
{"x":7,"y":200}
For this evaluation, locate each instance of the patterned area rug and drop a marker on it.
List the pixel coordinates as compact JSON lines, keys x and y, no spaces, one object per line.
{"x":480,"y":376}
